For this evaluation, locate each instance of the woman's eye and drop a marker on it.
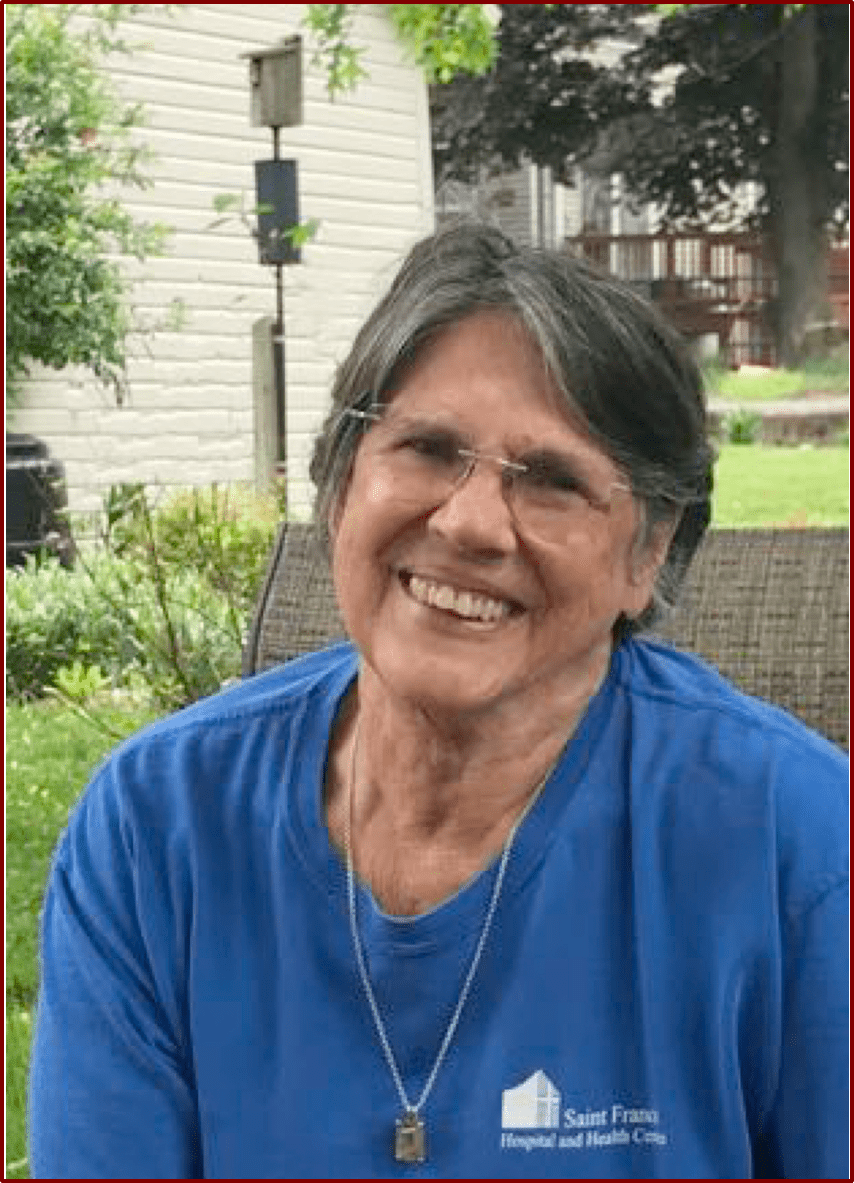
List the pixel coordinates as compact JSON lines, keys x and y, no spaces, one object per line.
{"x":436,"y":448}
{"x":551,"y":478}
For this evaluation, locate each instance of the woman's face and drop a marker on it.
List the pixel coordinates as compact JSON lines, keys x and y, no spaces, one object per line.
{"x":460,"y":605}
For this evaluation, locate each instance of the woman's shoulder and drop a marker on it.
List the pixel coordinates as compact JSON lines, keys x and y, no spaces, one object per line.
{"x":202,"y":752}
{"x":280,"y":691}
{"x":662,"y":679}
{"x":741,"y":764}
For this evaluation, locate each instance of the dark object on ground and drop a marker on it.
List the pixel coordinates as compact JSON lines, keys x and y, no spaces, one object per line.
{"x":36,"y":500}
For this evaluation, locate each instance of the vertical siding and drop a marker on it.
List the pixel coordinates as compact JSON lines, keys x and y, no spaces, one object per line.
{"x":364,"y":172}
{"x":505,"y":200}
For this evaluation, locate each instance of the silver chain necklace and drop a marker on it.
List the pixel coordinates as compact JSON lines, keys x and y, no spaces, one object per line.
{"x":410,"y":1137}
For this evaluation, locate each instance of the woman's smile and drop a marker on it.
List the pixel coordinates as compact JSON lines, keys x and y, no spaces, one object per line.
{"x":472,"y":606}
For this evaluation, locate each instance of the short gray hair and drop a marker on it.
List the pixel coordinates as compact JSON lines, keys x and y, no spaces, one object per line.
{"x":620,"y":366}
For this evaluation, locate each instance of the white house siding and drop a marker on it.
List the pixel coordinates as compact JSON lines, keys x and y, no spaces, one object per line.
{"x":364,"y":172}
{"x":524,"y":202}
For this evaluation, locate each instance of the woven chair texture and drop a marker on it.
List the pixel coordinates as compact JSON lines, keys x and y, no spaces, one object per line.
{"x":296,"y":611}
{"x":768,"y":608}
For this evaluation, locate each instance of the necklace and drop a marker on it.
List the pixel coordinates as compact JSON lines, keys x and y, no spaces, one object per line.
{"x":410,"y":1136}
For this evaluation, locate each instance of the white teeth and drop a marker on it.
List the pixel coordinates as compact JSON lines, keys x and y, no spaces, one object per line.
{"x":468,"y":604}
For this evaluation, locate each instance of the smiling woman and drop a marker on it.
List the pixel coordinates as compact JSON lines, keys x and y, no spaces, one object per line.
{"x":560,"y":565}
{"x":499,"y":859}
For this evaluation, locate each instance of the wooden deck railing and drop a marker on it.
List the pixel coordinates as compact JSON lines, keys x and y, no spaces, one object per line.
{"x":710,"y":284}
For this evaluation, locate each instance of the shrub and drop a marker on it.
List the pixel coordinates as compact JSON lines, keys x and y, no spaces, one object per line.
{"x":163,"y":601}
{"x":223,"y":533}
{"x":742,"y":427}
{"x":106,"y":616}
{"x":47,"y":620}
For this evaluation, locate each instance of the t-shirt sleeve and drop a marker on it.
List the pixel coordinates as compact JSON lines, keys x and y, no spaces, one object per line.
{"x":111,"y":1091}
{"x":806,"y":1136}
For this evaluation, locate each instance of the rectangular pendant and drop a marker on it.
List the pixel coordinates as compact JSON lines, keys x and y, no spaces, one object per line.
{"x":410,"y":1140}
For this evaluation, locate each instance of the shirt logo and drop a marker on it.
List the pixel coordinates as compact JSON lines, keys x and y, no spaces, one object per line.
{"x":535,"y":1106}
{"x":532,"y":1105}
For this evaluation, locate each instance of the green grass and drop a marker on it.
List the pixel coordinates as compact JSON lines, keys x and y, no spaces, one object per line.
{"x":50,"y":752}
{"x":826,"y":375}
{"x":757,"y":485}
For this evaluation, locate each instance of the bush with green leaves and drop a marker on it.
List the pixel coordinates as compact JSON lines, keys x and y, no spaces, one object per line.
{"x":68,"y":154}
{"x":108,"y":618}
{"x":742,"y":426}
{"x":47,"y":620}
{"x":223,"y":532}
{"x":163,"y":602}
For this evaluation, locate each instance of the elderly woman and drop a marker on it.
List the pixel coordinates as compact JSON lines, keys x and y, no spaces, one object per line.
{"x":499,"y":888}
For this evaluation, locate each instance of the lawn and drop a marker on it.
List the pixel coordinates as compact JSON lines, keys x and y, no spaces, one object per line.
{"x":50,"y":753}
{"x":761,"y":384}
{"x":51,"y":750}
{"x":775,"y":486}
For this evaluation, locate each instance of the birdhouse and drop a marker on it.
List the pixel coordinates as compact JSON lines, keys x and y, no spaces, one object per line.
{"x":275,"y":84}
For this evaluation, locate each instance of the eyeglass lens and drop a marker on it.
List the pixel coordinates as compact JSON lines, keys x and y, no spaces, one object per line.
{"x":424,"y":463}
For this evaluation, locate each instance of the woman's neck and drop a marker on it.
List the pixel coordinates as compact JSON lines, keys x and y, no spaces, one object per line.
{"x":434,"y":797}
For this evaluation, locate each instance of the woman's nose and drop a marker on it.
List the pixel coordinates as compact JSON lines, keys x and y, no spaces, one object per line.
{"x":475,"y":515}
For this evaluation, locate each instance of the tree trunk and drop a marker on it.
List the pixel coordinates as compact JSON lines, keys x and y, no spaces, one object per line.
{"x":797,"y":201}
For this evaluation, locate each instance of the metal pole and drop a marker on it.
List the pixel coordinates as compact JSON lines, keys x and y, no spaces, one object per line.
{"x":279,"y":363}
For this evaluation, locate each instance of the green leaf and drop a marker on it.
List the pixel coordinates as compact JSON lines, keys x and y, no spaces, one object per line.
{"x":303,"y":232}
{"x":224,"y":202}
{"x":446,"y":39}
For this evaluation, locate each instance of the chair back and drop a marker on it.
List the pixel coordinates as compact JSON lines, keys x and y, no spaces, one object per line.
{"x":768,"y":608}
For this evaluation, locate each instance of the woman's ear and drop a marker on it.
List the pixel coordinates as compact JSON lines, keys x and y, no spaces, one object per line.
{"x":333,"y":516}
{"x":658,"y":542}
{"x":651,"y":549}
{"x":337,"y":505}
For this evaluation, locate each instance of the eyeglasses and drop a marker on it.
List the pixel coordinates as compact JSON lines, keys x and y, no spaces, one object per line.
{"x":548,"y":493}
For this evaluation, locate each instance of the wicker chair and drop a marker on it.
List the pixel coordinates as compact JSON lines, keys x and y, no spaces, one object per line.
{"x":769,"y":608}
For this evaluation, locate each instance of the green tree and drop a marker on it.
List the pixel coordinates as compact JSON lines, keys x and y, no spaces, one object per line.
{"x":757,"y":93}
{"x":444,"y":39}
{"x":68,"y":154}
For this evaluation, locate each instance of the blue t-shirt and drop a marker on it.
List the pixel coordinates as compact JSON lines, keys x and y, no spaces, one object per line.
{"x":663,"y":992}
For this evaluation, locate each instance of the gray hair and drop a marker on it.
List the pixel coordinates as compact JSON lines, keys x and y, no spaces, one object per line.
{"x":621,"y":368}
